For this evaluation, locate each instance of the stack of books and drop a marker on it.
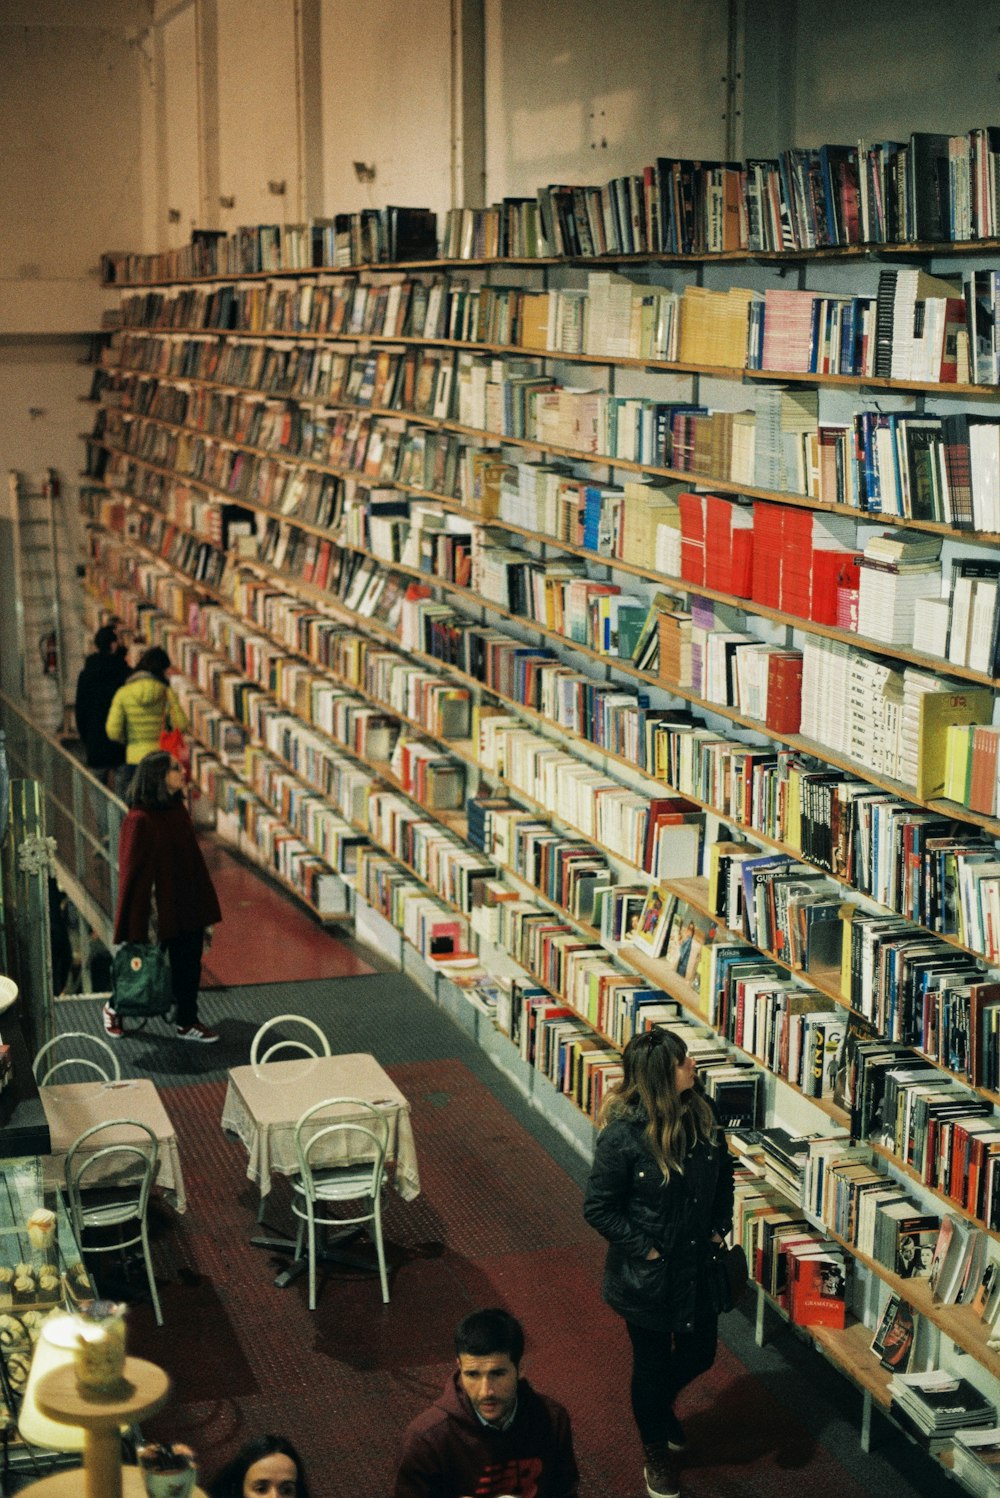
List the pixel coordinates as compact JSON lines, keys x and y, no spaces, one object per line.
{"x":976,"y":1459}
{"x":936,"y":1404}
{"x":898,"y":573}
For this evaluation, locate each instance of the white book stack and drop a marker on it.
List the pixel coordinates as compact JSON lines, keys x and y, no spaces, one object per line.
{"x":668,"y":550}
{"x":931,"y":627}
{"x":768,"y":446}
{"x":742,"y":453}
{"x":890,"y":597}
{"x":609,"y":315}
{"x":903,"y":310}
{"x":751,"y":679}
{"x":984,"y":461}
{"x":716,"y":686}
{"x":825,"y":671}
{"x":876,"y":693}
{"x":916,"y":684}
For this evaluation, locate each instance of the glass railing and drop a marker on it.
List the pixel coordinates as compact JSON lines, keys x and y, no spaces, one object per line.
{"x":81,"y":814}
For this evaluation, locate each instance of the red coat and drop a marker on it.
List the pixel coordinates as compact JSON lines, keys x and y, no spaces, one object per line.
{"x":158,"y":851}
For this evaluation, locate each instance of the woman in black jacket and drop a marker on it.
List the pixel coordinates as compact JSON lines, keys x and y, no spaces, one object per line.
{"x":661,"y":1192}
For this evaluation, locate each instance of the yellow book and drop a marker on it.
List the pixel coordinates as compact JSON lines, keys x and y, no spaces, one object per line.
{"x":957,"y":761}
{"x":938,"y":712}
{"x":534,"y":331}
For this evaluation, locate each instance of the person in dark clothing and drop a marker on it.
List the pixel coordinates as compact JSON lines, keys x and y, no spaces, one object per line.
{"x":269,"y":1467}
{"x":661,"y":1192}
{"x":161,"y":867}
{"x":103,"y":673}
{"x":489,"y":1433}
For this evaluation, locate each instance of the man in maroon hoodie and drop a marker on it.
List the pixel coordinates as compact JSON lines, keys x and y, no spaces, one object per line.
{"x":489,"y":1435}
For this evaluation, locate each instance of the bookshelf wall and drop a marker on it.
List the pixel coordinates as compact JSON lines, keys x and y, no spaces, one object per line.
{"x":376,"y":540}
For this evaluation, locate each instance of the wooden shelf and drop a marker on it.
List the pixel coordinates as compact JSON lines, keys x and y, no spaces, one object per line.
{"x":849,"y":1349}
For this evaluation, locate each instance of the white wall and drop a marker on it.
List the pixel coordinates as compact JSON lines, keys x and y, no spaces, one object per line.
{"x":585,"y":92}
{"x":258,"y":115}
{"x":876,"y":69}
{"x":70,"y":167}
{"x":176,"y":114}
{"x":386,"y":70}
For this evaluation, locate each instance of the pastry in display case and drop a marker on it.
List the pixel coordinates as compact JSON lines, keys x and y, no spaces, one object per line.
{"x":41,"y":1269}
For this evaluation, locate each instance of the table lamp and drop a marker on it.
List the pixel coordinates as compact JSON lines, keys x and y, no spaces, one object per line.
{"x":54,"y":1349}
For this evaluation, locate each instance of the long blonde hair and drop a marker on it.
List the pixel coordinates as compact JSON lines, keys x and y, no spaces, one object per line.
{"x":675,"y":1120}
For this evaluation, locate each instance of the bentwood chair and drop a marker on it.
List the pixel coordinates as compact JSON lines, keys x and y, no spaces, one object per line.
{"x":341,"y":1145}
{"x":286,"y":1043}
{"x":105,"y":1064}
{"x":304,"y":1047}
{"x":107,"y":1188}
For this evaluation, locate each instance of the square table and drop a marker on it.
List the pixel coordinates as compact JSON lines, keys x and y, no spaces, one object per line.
{"x":72,"y":1107}
{"x":264,"y":1103}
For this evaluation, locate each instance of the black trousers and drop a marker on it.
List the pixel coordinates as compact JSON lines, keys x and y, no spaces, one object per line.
{"x":663,"y":1363}
{"x":185,"y":950}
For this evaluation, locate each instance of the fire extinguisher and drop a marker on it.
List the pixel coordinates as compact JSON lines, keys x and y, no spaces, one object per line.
{"x":48,"y":649}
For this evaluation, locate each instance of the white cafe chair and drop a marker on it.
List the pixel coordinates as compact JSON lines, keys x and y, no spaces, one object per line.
{"x":283,"y":1043}
{"x":108,"y":1187}
{"x":324,"y":1134}
{"x":303,"y":1046}
{"x":106,"y":1066}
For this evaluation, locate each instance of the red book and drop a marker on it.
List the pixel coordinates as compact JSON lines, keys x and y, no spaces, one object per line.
{"x":664,"y":809}
{"x":784,"y":691}
{"x":954,"y":322}
{"x":741,"y":557}
{"x":692,"y":508}
{"x":765,"y":580}
{"x":832,"y":570}
{"x":983,"y":778}
{"x":982,"y":998}
{"x":817,"y":1292}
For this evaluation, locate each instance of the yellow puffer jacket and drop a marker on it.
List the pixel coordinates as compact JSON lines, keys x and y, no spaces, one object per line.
{"x":139,"y":711}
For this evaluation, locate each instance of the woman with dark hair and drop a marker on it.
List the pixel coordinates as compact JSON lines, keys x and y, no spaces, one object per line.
{"x":269,"y":1467}
{"x":162,"y":873}
{"x":661,"y":1193}
{"x":141,"y":710}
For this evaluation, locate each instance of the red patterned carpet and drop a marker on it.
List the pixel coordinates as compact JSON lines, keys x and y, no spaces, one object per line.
{"x":264,"y":936}
{"x":497,"y":1222}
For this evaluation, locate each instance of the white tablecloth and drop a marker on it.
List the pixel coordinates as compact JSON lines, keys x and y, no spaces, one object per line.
{"x":264,"y":1103}
{"x":72,"y":1107}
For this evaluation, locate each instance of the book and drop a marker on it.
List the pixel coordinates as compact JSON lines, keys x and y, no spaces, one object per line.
{"x":655,"y":920}
{"x":895,"y":1336}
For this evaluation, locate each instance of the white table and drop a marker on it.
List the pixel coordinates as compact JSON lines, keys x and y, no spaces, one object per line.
{"x":264,"y":1103}
{"x":72,"y":1107}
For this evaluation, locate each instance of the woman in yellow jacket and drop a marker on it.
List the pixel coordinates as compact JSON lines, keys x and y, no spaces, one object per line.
{"x":141,"y":710}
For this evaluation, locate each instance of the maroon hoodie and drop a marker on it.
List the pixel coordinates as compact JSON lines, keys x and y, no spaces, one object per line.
{"x":449,"y":1453}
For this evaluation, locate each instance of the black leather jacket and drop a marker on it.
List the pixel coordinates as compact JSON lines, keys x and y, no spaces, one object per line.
{"x":635,"y":1208}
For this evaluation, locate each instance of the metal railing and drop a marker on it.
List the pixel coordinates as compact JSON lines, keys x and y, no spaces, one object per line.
{"x":81,"y":814}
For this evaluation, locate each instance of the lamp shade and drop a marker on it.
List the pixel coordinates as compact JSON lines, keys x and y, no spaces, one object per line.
{"x":54,"y":1349}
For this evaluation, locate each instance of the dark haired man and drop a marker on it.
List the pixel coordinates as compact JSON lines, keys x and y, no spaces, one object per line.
{"x":489,"y":1434}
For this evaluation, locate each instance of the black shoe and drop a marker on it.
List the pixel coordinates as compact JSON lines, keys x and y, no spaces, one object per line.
{"x":660,"y":1471}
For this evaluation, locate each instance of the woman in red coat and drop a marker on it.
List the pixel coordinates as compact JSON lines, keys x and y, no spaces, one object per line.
{"x":162,"y":875}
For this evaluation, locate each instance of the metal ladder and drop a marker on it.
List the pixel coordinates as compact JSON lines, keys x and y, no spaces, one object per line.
{"x":34,"y":630}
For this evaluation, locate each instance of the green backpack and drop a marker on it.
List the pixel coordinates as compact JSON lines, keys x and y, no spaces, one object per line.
{"x":140,"y":981}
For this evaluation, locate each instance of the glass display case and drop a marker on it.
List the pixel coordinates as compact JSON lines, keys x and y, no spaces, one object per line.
{"x":41,"y":1267}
